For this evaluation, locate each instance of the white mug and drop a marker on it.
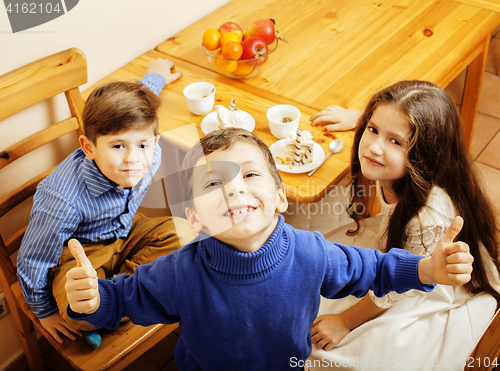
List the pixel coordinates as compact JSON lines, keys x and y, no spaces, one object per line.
{"x":200,"y":97}
{"x":276,"y":116}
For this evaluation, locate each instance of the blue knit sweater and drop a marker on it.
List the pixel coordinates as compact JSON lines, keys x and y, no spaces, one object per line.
{"x":249,"y":311}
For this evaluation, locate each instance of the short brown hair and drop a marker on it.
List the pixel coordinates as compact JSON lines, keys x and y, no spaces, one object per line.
{"x":222,"y":139}
{"x":120,"y":105}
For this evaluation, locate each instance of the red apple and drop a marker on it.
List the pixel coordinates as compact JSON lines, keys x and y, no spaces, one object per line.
{"x":230,"y":27}
{"x":254,"y":46}
{"x":263,"y":28}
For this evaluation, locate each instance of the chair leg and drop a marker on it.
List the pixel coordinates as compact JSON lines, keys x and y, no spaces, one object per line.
{"x":29,"y":341}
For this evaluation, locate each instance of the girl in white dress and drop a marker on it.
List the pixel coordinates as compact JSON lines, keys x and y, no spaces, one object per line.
{"x":409,"y":140}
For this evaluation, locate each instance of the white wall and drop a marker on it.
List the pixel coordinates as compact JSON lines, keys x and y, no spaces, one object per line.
{"x":110,"y":33}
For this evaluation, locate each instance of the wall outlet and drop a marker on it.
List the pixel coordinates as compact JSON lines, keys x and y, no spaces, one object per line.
{"x":4,"y":308}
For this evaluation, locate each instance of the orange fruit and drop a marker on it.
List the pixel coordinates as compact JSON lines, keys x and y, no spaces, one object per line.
{"x":230,"y":36}
{"x":226,"y":67}
{"x":244,"y":69}
{"x":232,"y":50}
{"x":217,"y":54}
{"x":211,"y":39}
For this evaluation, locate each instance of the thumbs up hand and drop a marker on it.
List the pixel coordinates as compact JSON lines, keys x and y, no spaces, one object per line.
{"x":82,"y":287}
{"x":450,"y":263}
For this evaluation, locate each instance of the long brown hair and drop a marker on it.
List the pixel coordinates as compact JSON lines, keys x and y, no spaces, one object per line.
{"x":437,"y":156}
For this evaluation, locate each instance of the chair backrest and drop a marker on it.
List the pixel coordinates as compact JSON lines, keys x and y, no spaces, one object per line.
{"x":59,"y":73}
{"x":22,"y":88}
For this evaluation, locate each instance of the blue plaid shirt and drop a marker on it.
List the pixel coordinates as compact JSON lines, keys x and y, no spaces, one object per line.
{"x":75,"y":201}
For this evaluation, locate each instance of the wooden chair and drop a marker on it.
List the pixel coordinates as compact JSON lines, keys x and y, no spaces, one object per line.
{"x":19,"y":89}
{"x":486,"y":355}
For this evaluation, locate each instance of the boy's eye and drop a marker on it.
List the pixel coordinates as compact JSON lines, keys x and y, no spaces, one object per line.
{"x":143,"y":146}
{"x":250,"y":175}
{"x":117,"y":146}
{"x":213,"y":183}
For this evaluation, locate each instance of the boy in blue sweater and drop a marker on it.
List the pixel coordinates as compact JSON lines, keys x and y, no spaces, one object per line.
{"x":247,"y":290}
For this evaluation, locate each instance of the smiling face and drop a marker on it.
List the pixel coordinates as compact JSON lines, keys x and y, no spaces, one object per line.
{"x":383,"y":146}
{"x":124,"y":158}
{"x":236,"y":201}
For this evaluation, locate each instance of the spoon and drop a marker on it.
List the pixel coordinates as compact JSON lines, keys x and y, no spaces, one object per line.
{"x":334,"y":147}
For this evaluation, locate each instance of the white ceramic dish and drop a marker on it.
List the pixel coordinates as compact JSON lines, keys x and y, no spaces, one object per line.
{"x":200,"y":97}
{"x":210,"y":123}
{"x":275,"y":116}
{"x":277,"y":150}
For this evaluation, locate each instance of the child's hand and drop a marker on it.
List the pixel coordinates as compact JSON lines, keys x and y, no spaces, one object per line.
{"x":82,"y":287}
{"x":328,"y":330}
{"x":336,"y":118}
{"x":163,"y":67}
{"x":450,"y":263}
{"x":57,"y":326}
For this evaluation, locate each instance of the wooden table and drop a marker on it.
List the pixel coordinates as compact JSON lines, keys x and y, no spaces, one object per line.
{"x":341,"y":52}
{"x":175,"y":120}
{"x":486,"y":4}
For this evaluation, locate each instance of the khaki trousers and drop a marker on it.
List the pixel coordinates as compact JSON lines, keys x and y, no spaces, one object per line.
{"x":148,"y":239}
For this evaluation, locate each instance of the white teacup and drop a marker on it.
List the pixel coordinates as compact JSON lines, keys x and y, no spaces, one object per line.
{"x":282,"y":118}
{"x":200,"y":97}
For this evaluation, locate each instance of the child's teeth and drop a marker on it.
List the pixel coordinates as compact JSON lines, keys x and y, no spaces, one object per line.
{"x":241,"y":211}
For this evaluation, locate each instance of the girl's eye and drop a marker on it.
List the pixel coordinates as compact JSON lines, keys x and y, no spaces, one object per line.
{"x":371,"y":129}
{"x":396,"y":142}
{"x":250,"y":175}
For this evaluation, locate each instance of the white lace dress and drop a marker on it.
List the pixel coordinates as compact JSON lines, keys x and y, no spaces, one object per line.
{"x":418,"y":331}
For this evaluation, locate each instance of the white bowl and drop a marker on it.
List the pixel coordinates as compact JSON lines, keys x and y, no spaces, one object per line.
{"x":282,"y":118}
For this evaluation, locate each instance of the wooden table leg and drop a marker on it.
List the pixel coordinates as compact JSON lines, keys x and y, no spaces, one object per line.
{"x":472,"y":91}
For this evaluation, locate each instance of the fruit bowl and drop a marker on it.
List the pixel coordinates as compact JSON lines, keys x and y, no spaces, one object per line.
{"x":245,"y":67}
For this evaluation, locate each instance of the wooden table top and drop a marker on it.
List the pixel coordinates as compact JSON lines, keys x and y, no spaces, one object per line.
{"x":174,"y":114}
{"x":341,"y":52}
{"x":486,"y":4}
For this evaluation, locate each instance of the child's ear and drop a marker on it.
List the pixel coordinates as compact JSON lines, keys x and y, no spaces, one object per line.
{"x":283,"y":201}
{"x":193,"y":221}
{"x":87,"y":147}
{"x":157,"y":139}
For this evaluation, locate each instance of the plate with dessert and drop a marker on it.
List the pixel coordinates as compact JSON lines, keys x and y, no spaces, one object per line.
{"x":223,"y":118}
{"x":297,"y":153}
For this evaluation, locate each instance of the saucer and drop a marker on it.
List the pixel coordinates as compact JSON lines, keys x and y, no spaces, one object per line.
{"x":210,"y":123}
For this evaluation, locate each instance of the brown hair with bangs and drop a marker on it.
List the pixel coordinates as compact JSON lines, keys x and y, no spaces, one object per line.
{"x":119,"y":106}
{"x":437,"y":156}
{"x":222,"y":140}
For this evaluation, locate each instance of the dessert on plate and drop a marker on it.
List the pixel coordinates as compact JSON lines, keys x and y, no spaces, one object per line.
{"x":232,"y":117}
{"x":299,"y":148}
